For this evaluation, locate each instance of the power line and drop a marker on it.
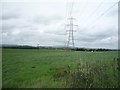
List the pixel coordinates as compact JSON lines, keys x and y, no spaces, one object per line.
{"x":71,"y":8}
{"x":83,"y":10}
{"x":88,"y":18}
{"x":102,"y":14}
{"x":67,"y":7}
{"x":66,"y":14}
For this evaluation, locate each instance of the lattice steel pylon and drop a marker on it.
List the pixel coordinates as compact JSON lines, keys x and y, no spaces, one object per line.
{"x":70,"y":39}
{"x":70,"y":43}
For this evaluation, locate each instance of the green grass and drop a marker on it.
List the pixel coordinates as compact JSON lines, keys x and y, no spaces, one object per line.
{"x":24,"y":68}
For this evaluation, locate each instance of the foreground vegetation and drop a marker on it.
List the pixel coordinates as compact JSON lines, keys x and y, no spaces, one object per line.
{"x":33,"y":68}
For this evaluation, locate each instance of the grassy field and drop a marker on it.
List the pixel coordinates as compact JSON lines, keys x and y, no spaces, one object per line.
{"x":24,"y":68}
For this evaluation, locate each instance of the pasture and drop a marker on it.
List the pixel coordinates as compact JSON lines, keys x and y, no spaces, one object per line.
{"x":44,"y":68}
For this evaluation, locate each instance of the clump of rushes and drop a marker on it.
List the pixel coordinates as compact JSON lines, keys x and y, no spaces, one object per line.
{"x":93,"y":75}
{"x":80,"y":78}
{"x":118,"y":64}
{"x":118,"y":68}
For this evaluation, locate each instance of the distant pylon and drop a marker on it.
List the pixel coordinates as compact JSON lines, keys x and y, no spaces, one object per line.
{"x":38,"y":46}
{"x":70,"y":39}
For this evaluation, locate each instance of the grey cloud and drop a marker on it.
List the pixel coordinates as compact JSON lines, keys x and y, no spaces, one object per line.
{"x":22,"y":37}
{"x":30,"y":27}
{"x":95,"y":37}
{"x":112,"y":44}
{"x":46,"y":20}
{"x":7,"y":27}
{"x":27,"y":36}
{"x":56,"y":32}
{"x":7,"y":16}
{"x":97,"y":44}
{"x":57,"y":29}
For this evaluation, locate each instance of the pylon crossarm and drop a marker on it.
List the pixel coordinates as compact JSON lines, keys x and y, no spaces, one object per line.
{"x":70,"y":30}
{"x":71,"y":24}
{"x":71,"y":19}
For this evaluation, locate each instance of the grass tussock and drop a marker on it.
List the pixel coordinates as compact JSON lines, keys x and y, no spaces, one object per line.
{"x":91,"y":75}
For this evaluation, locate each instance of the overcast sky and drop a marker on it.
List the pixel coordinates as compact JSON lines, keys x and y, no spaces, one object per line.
{"x":43,"y":22}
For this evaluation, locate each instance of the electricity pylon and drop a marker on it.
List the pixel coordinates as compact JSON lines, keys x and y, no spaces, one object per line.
{"x":70,"y":40}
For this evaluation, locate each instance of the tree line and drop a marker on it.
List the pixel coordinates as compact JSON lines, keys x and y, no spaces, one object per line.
{"x":50,"y":47}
